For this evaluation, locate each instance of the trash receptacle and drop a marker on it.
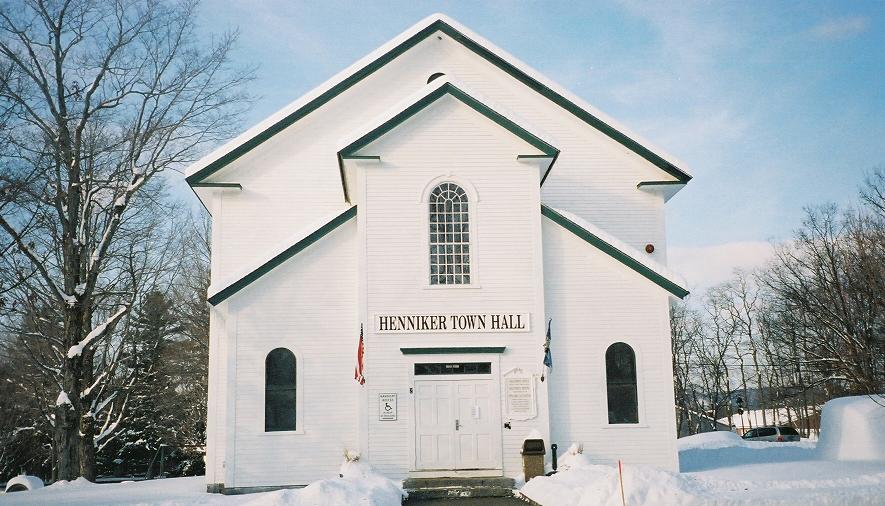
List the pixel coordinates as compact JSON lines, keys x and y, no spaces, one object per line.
{"x":533,"y":452}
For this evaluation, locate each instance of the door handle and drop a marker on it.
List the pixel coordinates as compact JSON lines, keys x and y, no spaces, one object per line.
{"x":457,"y":424}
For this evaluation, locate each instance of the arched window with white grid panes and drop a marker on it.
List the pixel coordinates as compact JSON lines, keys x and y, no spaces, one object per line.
{"x":449,"y":235}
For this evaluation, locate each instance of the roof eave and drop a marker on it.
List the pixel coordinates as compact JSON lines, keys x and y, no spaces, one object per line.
{"x":655,"y":277}
{"x":214,"y":162}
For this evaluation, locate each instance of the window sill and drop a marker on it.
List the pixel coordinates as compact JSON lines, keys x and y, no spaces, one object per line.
{"x":456,"y":287}
{"x":281,"y":432}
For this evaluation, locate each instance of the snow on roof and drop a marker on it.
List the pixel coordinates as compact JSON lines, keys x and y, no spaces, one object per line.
{"x":392,"y":44}
{"x":534,"y":74}
{"x":426,"y":90}
{"x":624,"y":248}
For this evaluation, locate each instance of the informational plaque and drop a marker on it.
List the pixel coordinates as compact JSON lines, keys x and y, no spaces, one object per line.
{"x":519,"y":391}
{"x":387,"y":407}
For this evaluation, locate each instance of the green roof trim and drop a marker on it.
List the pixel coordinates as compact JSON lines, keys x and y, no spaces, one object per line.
{"x":448,"y":89}
{"x":453,"y":350}
{"x":362,"y":157}
{"x":217,"y":185}
{"x":644,"y":184}
{"x":289,"y":252}
{"x":474,"y":46}
{"x":614,"y":252}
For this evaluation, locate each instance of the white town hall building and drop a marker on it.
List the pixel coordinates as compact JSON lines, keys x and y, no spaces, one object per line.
{"x":452,"y":203}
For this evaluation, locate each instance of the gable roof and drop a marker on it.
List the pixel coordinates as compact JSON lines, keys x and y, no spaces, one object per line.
{"x":218,"y":296}
{"x":618,"y":250}
{"x":313,"y":100}
{"x":428,"y":95}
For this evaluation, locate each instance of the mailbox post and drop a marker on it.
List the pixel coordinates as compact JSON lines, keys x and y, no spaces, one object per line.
{"x":533,"y":452}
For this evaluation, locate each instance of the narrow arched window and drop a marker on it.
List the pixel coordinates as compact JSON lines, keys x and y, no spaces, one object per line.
{"x":620,"y":374}
{"x":279,"y":390}
{"x":449,"y":236}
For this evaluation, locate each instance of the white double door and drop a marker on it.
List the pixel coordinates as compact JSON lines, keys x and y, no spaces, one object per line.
{"x":457,"y":424}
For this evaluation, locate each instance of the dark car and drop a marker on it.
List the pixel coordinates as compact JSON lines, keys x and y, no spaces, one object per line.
{"x":778,"y":433}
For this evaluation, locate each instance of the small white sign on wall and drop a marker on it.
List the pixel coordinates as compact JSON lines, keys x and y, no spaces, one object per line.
{"x":519,"y":395}
{"x":387,"y":407}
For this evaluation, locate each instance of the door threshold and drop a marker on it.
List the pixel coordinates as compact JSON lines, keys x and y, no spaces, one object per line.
{"x":458,"y":473}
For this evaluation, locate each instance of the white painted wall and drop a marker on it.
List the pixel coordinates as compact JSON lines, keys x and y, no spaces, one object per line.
{"x":308,"y":305}
{"x":596,"y":301}
{"x":449,"y":141}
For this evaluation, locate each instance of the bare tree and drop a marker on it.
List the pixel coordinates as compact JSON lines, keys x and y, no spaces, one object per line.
{"x":96,"y":99}
{"x":830,"y":278}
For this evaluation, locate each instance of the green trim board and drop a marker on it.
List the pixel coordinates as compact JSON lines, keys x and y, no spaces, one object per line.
{"x":203,"y":184}
{"x":549,"y":167}
{"x":371,"y":67}
{"x":614,"y":252}
{"x":453,"y":350}
{"x":644,"y":184}
{"x":362,"y":157}
{"x":288,"y":253}
{"x":443,"y":90}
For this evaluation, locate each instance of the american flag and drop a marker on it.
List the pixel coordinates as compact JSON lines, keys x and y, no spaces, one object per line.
{"x":548,"y":357}
{"x":358,"y":370}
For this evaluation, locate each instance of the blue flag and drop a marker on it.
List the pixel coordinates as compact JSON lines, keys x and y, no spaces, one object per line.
{"x":548,"y":357}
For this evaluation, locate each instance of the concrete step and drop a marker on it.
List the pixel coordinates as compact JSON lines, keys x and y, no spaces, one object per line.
{"x":450,"y":488}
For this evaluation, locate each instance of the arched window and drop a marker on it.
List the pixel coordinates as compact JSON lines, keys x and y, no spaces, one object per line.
{"x":449,"y":236}
{"x":279,"y":390}
{"x":620,"y":375}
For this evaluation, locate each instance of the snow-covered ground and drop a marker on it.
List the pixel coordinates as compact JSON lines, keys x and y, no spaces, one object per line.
{"x":360,"y":486}
{"x":847,"y":467}
{"x":718,"y":468}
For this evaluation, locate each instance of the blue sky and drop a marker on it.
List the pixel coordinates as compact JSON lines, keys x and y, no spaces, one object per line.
{"x":772,"y":106}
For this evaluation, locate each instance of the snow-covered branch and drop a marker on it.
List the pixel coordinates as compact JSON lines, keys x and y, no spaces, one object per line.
{"x":98,"y":332}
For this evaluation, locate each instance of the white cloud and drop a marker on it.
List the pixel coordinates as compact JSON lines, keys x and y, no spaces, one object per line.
{"x":841,"y":28}
{"x":706,"y":266}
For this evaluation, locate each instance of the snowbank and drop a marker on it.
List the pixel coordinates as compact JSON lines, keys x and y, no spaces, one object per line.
{"x":716,"y":468}
{"x":26,"y":481}
{"x":359,"y":484}
{"x":853,"y":428}
{"x":594,"y":484}
{"x":709,"y":441}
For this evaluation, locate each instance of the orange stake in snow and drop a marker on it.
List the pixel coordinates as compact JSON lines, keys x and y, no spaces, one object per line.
{"x":621,"y":480}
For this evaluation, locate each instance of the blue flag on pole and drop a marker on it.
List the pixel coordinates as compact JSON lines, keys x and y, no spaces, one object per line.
{"x":548,"y":357}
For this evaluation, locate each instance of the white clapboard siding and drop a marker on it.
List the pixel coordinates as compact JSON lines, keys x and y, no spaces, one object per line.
{"x":308,"y":305}
{"x":449,"y":141}
{"x":595,"y":301}
{"x":293,"y":178}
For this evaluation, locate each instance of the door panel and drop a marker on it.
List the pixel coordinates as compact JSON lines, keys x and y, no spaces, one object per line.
{"x":458,"y":425}
{"x":434,"y":425}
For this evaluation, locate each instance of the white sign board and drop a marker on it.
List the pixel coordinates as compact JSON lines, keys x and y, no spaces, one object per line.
{"x":387,"y":407}
{"x":519,"y":392}
{"x":451,"y":322}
